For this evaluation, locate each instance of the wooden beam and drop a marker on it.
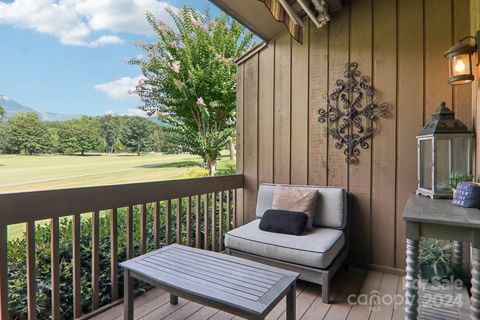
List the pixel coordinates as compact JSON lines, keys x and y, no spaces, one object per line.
{"x":291,"y":13}
{"x":18,"y":207}
{"x":309,"y":12}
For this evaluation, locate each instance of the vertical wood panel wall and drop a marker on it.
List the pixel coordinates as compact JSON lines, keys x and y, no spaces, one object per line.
{"x":399,"y":45}
{"x":474,"y":26}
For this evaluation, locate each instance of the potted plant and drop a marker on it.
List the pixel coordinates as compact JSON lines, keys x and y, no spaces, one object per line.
{"x":458,"y":177}
{"x":435,"y":259}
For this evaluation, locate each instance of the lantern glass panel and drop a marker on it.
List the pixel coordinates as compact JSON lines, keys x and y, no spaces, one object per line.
{"x":460,"y":65}
{"x":442,"y":165}
{"x":460,"y":150}
{"x":426,"y":164}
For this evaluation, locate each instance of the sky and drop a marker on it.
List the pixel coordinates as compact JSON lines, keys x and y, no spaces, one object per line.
{"x":68,"y":56}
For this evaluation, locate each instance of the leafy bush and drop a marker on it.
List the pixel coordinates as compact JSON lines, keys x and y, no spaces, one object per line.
{"x":17,"y":269}
{"x":435,"y":258}
{"x":458,"y":177}
{"x":195,"y":172}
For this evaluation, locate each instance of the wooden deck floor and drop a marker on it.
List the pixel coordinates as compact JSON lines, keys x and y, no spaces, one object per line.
{"x":155,"y":303}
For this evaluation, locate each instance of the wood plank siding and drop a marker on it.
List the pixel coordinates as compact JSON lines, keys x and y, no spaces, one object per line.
{"x":281,"y":87}
{"x":474,"y":26}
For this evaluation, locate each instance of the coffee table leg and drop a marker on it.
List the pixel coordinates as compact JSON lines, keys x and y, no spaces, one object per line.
{"x":128,"y":296}
{"x":173,"y":299}
{"x":291,"y":303}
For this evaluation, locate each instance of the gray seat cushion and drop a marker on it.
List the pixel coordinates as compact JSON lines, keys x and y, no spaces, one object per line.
{"x":331,"y":211}
{"x":315,"y":249}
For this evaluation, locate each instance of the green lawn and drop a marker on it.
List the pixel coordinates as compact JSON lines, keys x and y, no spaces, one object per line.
{"x":30,"y":173}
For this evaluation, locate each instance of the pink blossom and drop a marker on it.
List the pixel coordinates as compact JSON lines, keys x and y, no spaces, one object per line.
{"x":178,"y":45}
{"x":168,"y":55}
{"x":197,"y":23}
{"x":176,"y":67}
{"x":139,"y":85}
{"x":200,"y":101}
{"x":162,"y":26}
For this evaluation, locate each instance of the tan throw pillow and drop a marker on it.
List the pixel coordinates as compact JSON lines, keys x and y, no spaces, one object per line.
{"x":296,"y":199}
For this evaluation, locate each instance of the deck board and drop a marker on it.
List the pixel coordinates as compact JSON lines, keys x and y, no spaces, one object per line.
{"x":154,"y":304}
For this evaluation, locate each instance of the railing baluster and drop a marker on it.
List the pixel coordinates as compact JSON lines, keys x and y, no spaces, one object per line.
{"x":179,"y":220}
{"x":95,"y":260}
{"x":3,"y":273}
{"x":143,"y":228}
{"x":229,"y":212}
{"x":167,"y":221}
{"x":114,"y":252}
{"x":197,"y":221}
{"x":77,"y":290}
{"x":189,"y":220}
{"x":220,"y":229}
{"x":156,"y":225}
{"x":205,"y":223}
{"x":55,"y":267}
{"x":122,"y":197}
{"x":129,"y":232}
{"x":235,"y":208}
{"x":31,"y":279}
{"x":214,"y":221}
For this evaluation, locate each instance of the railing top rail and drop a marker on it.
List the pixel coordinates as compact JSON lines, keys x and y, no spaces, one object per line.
{"x":37,"y":205}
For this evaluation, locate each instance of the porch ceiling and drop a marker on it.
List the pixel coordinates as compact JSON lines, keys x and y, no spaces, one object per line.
{"x":255,"y":15}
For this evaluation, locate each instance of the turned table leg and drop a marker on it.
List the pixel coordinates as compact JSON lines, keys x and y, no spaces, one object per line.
{"x":475,"y":290}
{"x":411,"y":290}
{"x":458,"y":259}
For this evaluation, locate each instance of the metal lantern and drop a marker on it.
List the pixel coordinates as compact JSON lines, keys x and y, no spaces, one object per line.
{"x":444,"y":147}
{"x":460,"y":60}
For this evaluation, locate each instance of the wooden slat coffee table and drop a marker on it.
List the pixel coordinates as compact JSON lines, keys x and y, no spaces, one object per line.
{"x":238,"y":286}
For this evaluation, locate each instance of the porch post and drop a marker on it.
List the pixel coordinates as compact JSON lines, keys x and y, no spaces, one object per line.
{"x":475,"y":290}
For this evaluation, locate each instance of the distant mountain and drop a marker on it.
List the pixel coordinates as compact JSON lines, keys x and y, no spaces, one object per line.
{"x":12,"y":107}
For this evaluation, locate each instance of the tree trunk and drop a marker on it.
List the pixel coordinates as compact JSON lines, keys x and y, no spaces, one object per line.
{"x":232,"y":148}
{"x":83,"y":152}
{"x":212,"y":167}
{"x":138,"y":150}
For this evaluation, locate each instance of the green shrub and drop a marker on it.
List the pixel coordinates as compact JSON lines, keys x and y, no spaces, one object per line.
{"x":458,"y":177}
{"x":435,"y":258}
{"x":195,"y":172}
{"x":17,"y":270}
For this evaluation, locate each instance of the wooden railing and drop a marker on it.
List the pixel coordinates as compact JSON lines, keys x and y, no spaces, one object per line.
{"x":194,"y":212}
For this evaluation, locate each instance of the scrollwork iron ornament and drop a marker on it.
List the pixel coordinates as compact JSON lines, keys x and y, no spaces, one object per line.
{"x":353,"y":110}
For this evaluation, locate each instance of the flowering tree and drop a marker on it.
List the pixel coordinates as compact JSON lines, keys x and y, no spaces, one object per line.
{"x":190,"y":79}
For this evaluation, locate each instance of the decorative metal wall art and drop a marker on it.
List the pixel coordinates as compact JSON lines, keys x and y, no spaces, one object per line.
{"x":352,"y":113}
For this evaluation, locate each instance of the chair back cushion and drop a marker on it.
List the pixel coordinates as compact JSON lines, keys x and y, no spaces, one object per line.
{"x":331,"y":210}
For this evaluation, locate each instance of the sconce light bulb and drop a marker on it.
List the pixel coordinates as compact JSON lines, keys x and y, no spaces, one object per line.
{"x":460,"y":66}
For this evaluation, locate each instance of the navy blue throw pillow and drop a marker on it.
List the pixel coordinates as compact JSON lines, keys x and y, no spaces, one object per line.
{"x":281,"y":221}
{"x":467,"y":195}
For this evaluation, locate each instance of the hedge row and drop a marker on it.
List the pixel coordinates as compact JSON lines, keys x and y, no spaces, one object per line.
{"x":17,"y":269}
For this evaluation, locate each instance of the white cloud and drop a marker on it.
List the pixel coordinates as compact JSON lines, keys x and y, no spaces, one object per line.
{"x":136,"y":112}
{"x":122,"y":15}
{"x":130,"y":112}
{"x":105,"y":40}
{"x":119,"y":89}
{"x":74,"y":21}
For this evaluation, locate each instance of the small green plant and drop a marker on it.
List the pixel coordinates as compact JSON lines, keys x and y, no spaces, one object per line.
{"x":458,"y":177}
{"x":435,"y":258}
{"x":195,"y":172}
